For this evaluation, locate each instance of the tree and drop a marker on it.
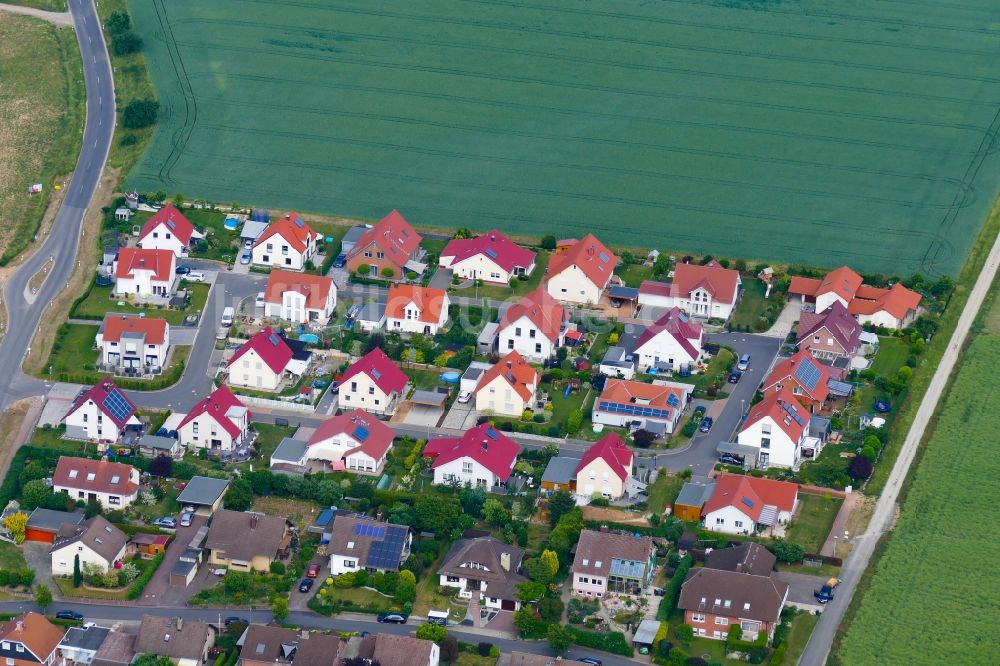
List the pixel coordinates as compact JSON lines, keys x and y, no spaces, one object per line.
{"x":125,"y":43}
{"x":94,"y":508}
{"x":239,"y":497}
{"x":560,"y":503}
{"x":537,"y":570}
{"x":449,"y":649}
{"x":43,"y":596}
{"x":329,"y":492}
{"x":432,"y":632}
{"x":530,"y":591}
{"x":685,"y":633}
{"x":364,"y":269}
{"x":36,"y":493}
{"x":436,"y":513}
{"x":152,"y":660}
{"x":279,"y":608}
{"x":574,"y":421}
{"x":643,"y":438}
{"x":16,"y":523}
{"x":161,"y":466}
{"x":472,"y":500}
{"x":548,"y":242}
{"x":406,"y":576}
{"x":550,"y":608}
{"x":77,"y":574}
{"x":388,"y":272}
{"x":118,"y":22}
{"x":735,"y":633}
{"x":405,"y":592}
{"x":495,"y":513}
{"x":860,"y":468}
{"x":551,"y":560}
{"x":559,"y":639}
{"x":787,"y":552}
{"x":140,"y":113}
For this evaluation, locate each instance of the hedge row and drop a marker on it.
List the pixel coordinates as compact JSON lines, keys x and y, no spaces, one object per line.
{"x":673,"y":591}
{"x":140,"y":583}
{"x":613,"y":641}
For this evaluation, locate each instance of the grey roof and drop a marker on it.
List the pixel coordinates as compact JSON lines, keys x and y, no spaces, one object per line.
{"x":595,"y":552}
{"x":97,"y":534}
{"x":748,"y":558}
{"x":158,"y":442}
{"x":561,"y":470}
{"x":47,"y":519}
{"x":183,"y":568}
{"x":203,"y":490}
{"x":191,"y":554}
{"x":738,"y":449}
{"x":371,"y":311}
{"x":696,"y":491}
{"x":350,"y":239}
{"x":819,"y":426}
{"x":655,"y":427}
{"x":429,"y":398}
{"x":290,"y":450}
{"x":842,"y":389}
{"x":646,"y":633}
{"x":615,"y":357}
{"x":187,"y":641}
{"x":624,"y":293}
{"x":117,"y":649}
{"x":87,"y":638}
{"x":252,"y":229}
{"x":489,"y":333}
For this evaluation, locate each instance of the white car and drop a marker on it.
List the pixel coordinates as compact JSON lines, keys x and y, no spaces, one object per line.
{"x":464,"y":397}
{"x":195,"y":276}
{"x":260,"y":299}
{"x":186,"y":518}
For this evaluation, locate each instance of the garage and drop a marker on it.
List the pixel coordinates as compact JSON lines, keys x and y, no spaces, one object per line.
{"x":508,"y":604}
{"x":44,"y":523}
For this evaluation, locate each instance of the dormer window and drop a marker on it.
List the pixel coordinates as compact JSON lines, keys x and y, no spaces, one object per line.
{"x":586,"y":561}
{"x":91,"y":476}
{"x":72,"y":474}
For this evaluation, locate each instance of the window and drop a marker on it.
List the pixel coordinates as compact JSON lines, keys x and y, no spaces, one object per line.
{"x":583,"y":579}
{"x":720,"y":521}
{"x":270,"y":248}
{"x":467,"y":468}
{"x":194,"y":427}
{"x":114,"y":500}
{"x":368,"y":253}
{"x":19,"y":647}
{"x":738,"y":523}
{"x":538,"y":347}
{"x":727,"y":603}
{"x":380,"y":255}
{"x":350,"y":564}
{"x":6,"y":645}
{"x":722,"y":620}
{"x":765,"y":442}
{"x":510,"y":343}
{"x":531,"y":333}
{"x":697,"y":617}
{"x":354,"y":386}
{"x":517,"y":331}
{"x":453,"y":579}
{"x":371,"y":390}
{"x":816,"y":339}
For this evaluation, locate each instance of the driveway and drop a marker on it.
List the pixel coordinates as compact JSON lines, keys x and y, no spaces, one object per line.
{"x":37,"y":556}
{"x":461,"y":417}
{"x":300,"y":600}
{"x":441,"y":279}
{"x":158,"y":591}
{"x":782,"y":326}
{"x":801,"y":588}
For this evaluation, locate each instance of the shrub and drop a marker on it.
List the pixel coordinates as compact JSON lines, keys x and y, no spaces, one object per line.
{"x":364,"y":269}
{"x":787,"y":552}
{"x":868,"y":452}
{"x":140,"y":113}
{"x":574,"y":421}
{"x":278,"y":568}
{"x":613,"y":641}
{"x":673,"y":591}
{"x":685,"y":633}
{"x":538,"y":418}
{"x":860,"y":468}
{"x":388,"y":272}
{"x":548,"y":242}
{"x":484,"y":648}
{"x":643,"y":438}
{"x":125,"y":43}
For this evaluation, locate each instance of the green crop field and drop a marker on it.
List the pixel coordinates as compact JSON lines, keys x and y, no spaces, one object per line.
{"x":933,"y":596}
{"x":825,"y":133}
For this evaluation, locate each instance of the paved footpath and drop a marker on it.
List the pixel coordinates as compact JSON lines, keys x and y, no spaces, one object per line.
{"x":61,"y":19}
{"x":829,"y":548}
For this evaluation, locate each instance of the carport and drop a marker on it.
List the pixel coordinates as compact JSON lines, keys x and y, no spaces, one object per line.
{"x":744,"y":451}
{"x":204,"y":494}
{"x":426,"y":408}
{"x":645,"y":634}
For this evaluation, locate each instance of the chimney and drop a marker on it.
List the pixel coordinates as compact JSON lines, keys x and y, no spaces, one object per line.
{"x":505,"y":561}
{"x":254,"y":519}
{"x":486,"y":445}
{"x":20,"y":624}
{"x":604,"y":529}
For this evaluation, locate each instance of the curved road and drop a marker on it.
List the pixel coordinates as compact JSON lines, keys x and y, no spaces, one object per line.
{"x":63,"y":240}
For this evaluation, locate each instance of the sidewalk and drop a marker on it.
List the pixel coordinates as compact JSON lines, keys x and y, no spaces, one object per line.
{"x":836,"y":534}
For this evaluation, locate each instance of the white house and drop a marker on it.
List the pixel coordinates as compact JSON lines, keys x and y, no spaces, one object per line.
{"x":96,"y":542}
{"x":605,"y":469}
{"x":299,"y":298}
{"x":114,"y":485}
{"x":140,"y":272}
{"x":101,"y":413}
{"x":507,"y":388}
{"x":890,"y":307}
{"x":534,"y":327}
{"x":218,"y":422}
{"x":656,"y":407}
{"x":705,"y":292}
{"x":354,"y":441}
{"x":412,"y":309}
{"x":742,"y":504}
{"x":130,"y":342}
{"x":582,"y":272}
{"x":491,"y":257}
{"x":484,"y":457}
{"x":672,"y":342}
{"x":778,"y":428}
{"x":372,"y":383}
{"x":288,"y":243}
{"x":266,"y":359}
{"x":485,"y":569}
{"x":168,"y":229}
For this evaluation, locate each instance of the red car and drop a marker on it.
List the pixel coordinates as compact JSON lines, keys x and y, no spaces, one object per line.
{"x":313,"y":571}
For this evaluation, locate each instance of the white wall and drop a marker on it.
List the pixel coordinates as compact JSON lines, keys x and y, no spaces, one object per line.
{"x":621,"y":420}
{"x":571,"y":285}
{"x":783,"y":451}
{"x":457,"y":469}
{"x":251,"y":371}
{"x":664,"y":346}
{"x":535,"y":349}
{"x":500,"y":398}
{"x":482,"y":268}
{"x":595,"y":586}
{"x":276,"y":252}
{"x":143,"y":284}
{"x":731,"y":520}
{"x":89,"y":422}
{"x":62,"y":559}
{"x":598,"y":477}
{"x":208,"y":429}
{"x":109,"y":501}
{"x":361,"y":391}
{"x":292,"y":308}
{"x":161,"y":238}
{"x":881,"y":318}
{"x":362,"y":462}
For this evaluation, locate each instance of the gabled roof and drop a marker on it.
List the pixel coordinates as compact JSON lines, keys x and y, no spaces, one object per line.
{"x":514,"y":370}
{"x":428,"y":300}
{"x":485,"y":551}
{"x":392,"y":235}
{"x":805,"y":371}
{"x":750,"y":494}
{"x":375,"y":543}
{"x":115,"y":325}
{"x":272,"y":348}
{"x":218,"y":404}
{"x":316,"y":288}
{"x":638,"y":394}
{"x":897,"y":300}
{"x":784,"y":410}
{"x":485,"y":444}
{"x":615,"y":453}
{"x":243,"y":535}
{"x":392,"y":650}
{"x":738,"y":594}
{"x":595,"y":550}
{"x":99,"y":476}
{"x":591,"y":256}
{"x":172,"y":637}
{"x":750,"y":558}
{"x":106,"y":395}
{"x":495,"y":246}
{"x":174,"y":220}
{"x":131,"y":259}
{"x":675,"y":324}
{"x":373,"y":436}
{"x":541,"y":309}
{"x":292,"y":228}
{"x":842,"y":281}
{"x":34,"y":631}
{"x":720,"y":282}
{"x":844,"y":328}
{"x":97,"y":534}
{"x":375,"y":364}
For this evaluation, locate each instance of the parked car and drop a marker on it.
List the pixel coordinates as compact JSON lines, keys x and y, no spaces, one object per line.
{"x":182,"y":269}
{"x":727,"y":459}
{"x":706,"y":424}
{"x":734,"y":376}
{"x":825,"y":594}
{"x":744,"y":363}
{"x":306,"y":584}
{"x":233,"y":619}
{"x":69,"y":615}
{"x":186,"y":518}
{"x":699,"y":411}
{"x":168,"y":522}
{"x":593,"y":661}
{"x":464,"y":397}
{"x":313,"y":571}
{"x":259,"y":301}
{"x":195,"y":276}
{"x":391,"y":618}
{"x":245,"y":258}
{"x":340,"y":261}
{"x":659,"y":592}
{"x":248,"y":243}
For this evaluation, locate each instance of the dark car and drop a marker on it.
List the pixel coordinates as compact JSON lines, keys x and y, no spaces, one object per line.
{"x":182,"y":270}
{"x":340,"y":261}
{"x":593,"y":661}
{"x":699,"y":411}
{"x":734,"y":376}
{"x":659,"y":591}
{"x":232,"y":619}
{"x":727,"y":459}
{"x":706,"y":424}
{"x":69,"y":615}
{"x":391,"y":618}
{"x":306,"y":584}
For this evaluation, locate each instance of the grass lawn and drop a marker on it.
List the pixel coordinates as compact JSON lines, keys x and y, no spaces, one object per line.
{"x":100,"y":301}
{"x":712,"y":651}
{"x":300,"y":512}
{"x":269,"y":436}
{"x":890,"y":357}
{"x":73,"y":350}
{"x":751,"y":305}
{"x":357,"y":596}
{"x":51,"y":438}
{"x":517,"y":290}
{"x":717,"y":372}
{"x":427,"y":380}
{"x":634,"y":274}
{"x":663,"y":492}
{"x":811,"y":525}
{"x":167,"y":506}
{"x":470,"y":659}
{"x":433,"y":246}
{"x":47,"y":5}
{"x":66,"y":588}
{"x":11,"y":557}
{"x":802,"y":628}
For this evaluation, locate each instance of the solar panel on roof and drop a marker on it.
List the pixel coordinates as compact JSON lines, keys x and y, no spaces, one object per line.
{"x":491,"y":433}
{"x":117,"y":406}
{"x":299,"y":223}
{"x":604,"y":257}
{"x":794,"y":413}
{"x":273,"y":339}
{"x":748,"y":502}
{"x":808,"y":375}
{"x":361,"y":433}
{"x":171,"y":223}
{"x":672,"y":400}
{"x":376,"y":374}
{"x":491,"y":253}
{"x":635,"y":410}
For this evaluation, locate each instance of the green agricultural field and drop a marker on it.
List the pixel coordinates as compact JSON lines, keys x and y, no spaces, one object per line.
{"x":814,"y":132}
{"x":931,"y":597}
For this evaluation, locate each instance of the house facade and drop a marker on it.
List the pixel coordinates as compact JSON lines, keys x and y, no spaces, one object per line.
{"x":777,"y":427}
{"x":29,"y":639}
{"x":804,"y":376}
{"x":96,"y":542}
{"x":100,"y":414}
{"x":358,"y":542}
{"x":168,"y":229}
{"x":492,"y":257}
{"x":482,"y":458}
{"x":289,"y":244}
{"x":387,"y":246}
{"x":266,"y":359}
{"x":246,"y":541}
{"x":299,"y":298}
{"x":114,"y":485}
{"x":581,"y":272}
{"x":829,"y":335}
{"x":713,"y":600}
{"x":744,"y":504}
{"x":534,"y":327}
{"x":671,"y":343}
{"x":218,"y":422}
{"x":373,"y":383}
{"x":131,"y":343}
{"x":508,"y":387}
{"x":703,"y":292}
{"x":605,"y":469}
{"x":354,"y":441}
{"x":890,"y":307}
{"x":612,"y":563}
{"x":144,"y":273}
{"x":625,"y":403}
{"x":412,"y":309}
{"x":486,"y":569}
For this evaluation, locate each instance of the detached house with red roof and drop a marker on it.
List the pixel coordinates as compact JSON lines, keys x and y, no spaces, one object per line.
{"x":507,"y":388}
{"x":412,"y":309}
{"x":114,"y":485}
{"x":581,"y":272}
{"x":892,"y":307}
{"x":266,"y":359}
{"x":534,"y":327}
{"x":832,"y":334}
{"x":130,"y":343}
{"x":30,"y":639}
{"x":705,"y":292}
{"x":100,"y":414}
{"x":654,"y":407}
{"x":743,"y":504}
{"x":669,"y":344}
{"x":392,"y":243}
{"x":803,"y":375}
{"x":144,"y":273}
{"x":218,"y":422}
{"x":288,"y":243}
{"x":299,"y":298}
{"x":492,"y":258}
{"x":373,"y":383}
{"x":482,"y":458}
{"x":605,"y":469}
{"x":777,"y":427}
{"x":168,"y":229}
{"x":354,"y":441}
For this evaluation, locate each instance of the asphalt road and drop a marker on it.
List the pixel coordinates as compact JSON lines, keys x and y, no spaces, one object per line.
{"x":64,"y":239}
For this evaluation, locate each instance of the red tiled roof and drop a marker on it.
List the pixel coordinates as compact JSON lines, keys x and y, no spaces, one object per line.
{"x":656,"y":288}
{"x":781,"y":407}
{"x":625,"y":392}
{"x":375,"y":437}
{"x":732,"y":489}
{"x":130,"y":259}
{"x":786,"y":372}
{"x":614,"y":451}
{"x":316,"y":288}
{"x":392,"y":235}
{"x":428,"y":300}
{"x":515,"y":371}
{"x":844,"y":328}
{"x":375,"y":364}
{"x":592,"y":257}
{"x":75,"y":473}
{"x":171,"y":218}
{"x":677,"y":325}
{"x":35,"y":632}
{"x":485,"y":444}
{"x":541,"y":309}
{"x":897,"y":300}
{"x":720,"y":282}
{"x":292,"y":228}
{"x":271,"y":348}
{"x":154,"y":330}
{"x":98,"y":393}
{"x":495,"y":246}
{"x":216,"y":405}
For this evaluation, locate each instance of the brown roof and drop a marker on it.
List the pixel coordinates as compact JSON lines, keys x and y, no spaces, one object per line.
{"x":517,"y":372}
{"x":162,"y":636}
{"x":733,"y":594}
{"x":33,"y":631}
{"x":97,"y":534}
{"x":115,"y":325}
{"x":98,"y":476}
{"x":593,"y":258}
{"x":118,"y":648}
{"x":391,"y":650}
{"x":266,"y":643}
{"x":595,"y":551}
{"x":393,"y":235}
{"x":318,"y":650}
{"x":316,"y":288}
{"x":748,"y":558}
{"x":486,"y":551}
{"x":352,"y":535}
{"x":245,"y":535}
